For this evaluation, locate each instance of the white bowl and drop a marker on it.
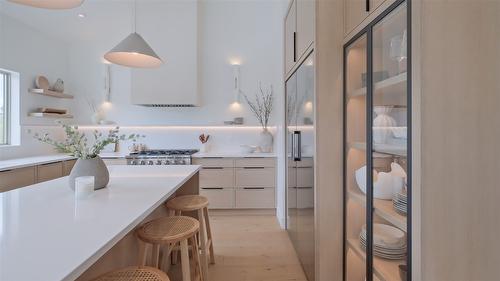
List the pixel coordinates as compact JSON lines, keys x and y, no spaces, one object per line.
{"x":386,"y":236}
{"x":383,"y":184}
{"x":248,"y":148}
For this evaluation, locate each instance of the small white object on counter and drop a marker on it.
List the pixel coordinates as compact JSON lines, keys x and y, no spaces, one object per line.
{"x":84,"y":187}
{"x":64,"y":236}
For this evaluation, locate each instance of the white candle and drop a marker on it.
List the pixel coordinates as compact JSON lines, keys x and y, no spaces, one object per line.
{"x":84,"y":187}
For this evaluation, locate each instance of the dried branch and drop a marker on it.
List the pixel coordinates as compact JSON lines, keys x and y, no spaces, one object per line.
{"x":262,"y":107}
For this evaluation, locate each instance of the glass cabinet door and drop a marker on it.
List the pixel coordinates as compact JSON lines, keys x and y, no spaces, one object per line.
{"x":291,"y":122}
{"x":389,"y":100}
{"x":355,"y":158}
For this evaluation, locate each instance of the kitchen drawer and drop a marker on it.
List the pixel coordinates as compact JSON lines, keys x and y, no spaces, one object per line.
{"x":254,"y":162}
{"x":219,"y":198}
{"x":305,"y":162}
{"x":115,"y":161}
{"x":217,"y":177}
{"x":255,"y":198}
{"x":305,"y":176}
{"x":67,"y":166}
{"x":214,"y":162}
{"x":50,"y":171}
{"x":255,"y":177}
{"x":15,"y":178}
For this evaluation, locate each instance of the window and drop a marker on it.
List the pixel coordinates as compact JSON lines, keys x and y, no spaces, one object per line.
{"x":5,"y":90}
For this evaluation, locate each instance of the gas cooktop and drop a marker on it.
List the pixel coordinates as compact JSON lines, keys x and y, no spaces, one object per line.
{"x":161,"y":157}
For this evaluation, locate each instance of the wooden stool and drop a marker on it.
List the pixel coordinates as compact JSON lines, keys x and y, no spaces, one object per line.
{"x":169,"y":231}
{"x":198,"y":203}
{"x":134,"y":273}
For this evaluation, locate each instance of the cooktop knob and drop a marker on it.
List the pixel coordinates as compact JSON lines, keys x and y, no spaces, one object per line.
{"x":151,"y":162}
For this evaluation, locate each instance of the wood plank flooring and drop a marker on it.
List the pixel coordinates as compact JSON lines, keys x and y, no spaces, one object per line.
{"x":250,"y":248}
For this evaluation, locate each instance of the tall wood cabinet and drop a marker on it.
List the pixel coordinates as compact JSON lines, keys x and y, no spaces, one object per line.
{"x":299,"y":32}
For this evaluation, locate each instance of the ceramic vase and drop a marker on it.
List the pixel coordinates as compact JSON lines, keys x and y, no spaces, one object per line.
{"x":266,"y":141}
{"x":90,"y":167}
{"x":204,"y":147}
{"x":382,"y":124}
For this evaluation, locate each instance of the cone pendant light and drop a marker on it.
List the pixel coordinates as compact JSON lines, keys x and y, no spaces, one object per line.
{"x":50,"y":4}
{"x":133,"y":51}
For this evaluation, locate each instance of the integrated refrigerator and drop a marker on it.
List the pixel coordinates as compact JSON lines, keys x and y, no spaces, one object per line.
{"x":300,"y":109}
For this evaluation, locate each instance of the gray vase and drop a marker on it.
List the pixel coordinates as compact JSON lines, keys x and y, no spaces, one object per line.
{"x":90,"y":167}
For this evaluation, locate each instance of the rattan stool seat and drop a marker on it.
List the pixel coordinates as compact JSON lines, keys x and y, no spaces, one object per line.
{"x":188,"y":203}
{"x":134,"y":273}
{"x":168,"y":229}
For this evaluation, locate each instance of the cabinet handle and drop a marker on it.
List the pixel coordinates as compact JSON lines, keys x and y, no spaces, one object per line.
{"x":253,"y":188}
{"x":248,"y":168}
{"x":9,"y":170}
{"x":213,"y":188}
{"x":213,"y":168}
{"x":45,"y":164}
{"x":367,"y":6}
{"x":295,"y":46}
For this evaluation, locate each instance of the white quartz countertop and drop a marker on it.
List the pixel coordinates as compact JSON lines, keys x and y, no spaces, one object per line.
{"x":31,"y":161}
{"x":232,"y":154}
{"x":45,"y":234}
{"x":39,"y":160}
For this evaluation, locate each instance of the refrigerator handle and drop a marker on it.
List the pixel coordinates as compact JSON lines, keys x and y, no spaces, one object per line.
{"x":297,"y":155}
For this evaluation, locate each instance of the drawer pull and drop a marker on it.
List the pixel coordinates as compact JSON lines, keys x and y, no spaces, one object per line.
{"x":45,"y":164}
{"x":213,"y":168}
{"x":254,"y":168}
{"x":253,"y":188}
{"x":10,"y":170}
{"x":212,"y":188}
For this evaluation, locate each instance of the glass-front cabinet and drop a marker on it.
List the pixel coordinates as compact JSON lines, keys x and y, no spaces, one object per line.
{"x":377,"y":136}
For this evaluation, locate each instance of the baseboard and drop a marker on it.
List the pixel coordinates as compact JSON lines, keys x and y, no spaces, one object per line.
{"x":242,"y":212}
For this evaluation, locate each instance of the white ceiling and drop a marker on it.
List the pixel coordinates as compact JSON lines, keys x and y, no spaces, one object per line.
{"x":104,"y":18}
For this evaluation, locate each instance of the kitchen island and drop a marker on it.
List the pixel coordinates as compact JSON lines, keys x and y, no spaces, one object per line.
{"x":45,"y":234}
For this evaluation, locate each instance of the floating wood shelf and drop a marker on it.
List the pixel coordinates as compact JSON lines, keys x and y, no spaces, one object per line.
{"x":50,"y":93}
{"x":49,"y":115}
{"x":390,"y":149}
{"x":395,"y":84}
{"x":384,"y":269}
{"x":383,"y":208}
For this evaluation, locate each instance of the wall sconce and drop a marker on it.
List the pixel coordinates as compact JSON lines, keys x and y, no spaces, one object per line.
{"x":107,"y":82}
{"x":236,"y":82}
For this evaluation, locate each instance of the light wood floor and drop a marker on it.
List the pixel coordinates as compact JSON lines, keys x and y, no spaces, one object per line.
{"x":250,"y":248}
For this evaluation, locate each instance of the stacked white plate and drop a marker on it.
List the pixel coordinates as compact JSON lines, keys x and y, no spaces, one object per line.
{"x":400,"y":202}
{"x":388,"y":241}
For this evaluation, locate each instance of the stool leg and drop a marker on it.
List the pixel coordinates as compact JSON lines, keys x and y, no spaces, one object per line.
{"x":209,"y":235}
{"x":142,"y":253}
{"x":203,"y":242}
{"x":196,"y":258}
{"x":186,"y":274}
{"x":156,"y":255}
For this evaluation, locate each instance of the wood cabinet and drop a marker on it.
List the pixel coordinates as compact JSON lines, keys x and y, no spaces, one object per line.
{"x":244,"y":183}
{"x":15,"y":178}
{"x":299,"y":31}
{"x":49,"y":171}
{"x":290,"y":37}
{"x":355,"y":11}
{"x":68,"y":166}
{"x":305,"y":25}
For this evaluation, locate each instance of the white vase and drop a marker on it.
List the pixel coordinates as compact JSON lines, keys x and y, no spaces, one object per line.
{"x":382,"y":124}
{"x":90,"y":167}
{"x":266,"y":141}
{"x":204,"y":148}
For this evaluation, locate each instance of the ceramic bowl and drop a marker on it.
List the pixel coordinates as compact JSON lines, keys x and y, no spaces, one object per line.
{"x":387,"y":236}
{"x":383,"y":183}
{"x":248,"y":148}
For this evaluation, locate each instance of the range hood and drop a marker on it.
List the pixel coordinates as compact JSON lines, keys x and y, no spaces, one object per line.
{"x":175,"y":82}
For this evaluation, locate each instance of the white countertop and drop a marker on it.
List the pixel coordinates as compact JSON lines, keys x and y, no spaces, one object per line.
{"x":45,"y":234}
{"x":232,"y":154}
{"x":39,"y":160}
{"x":31,"y":161}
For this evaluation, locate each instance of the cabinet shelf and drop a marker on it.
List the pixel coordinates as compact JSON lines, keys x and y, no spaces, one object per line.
{"x":385,"y":270}
{"x":49,"y":115}
{"x":50,"y":93}
{"x":395,"y":84}
{"x":383,"y":208}
{"x":390,"y":149}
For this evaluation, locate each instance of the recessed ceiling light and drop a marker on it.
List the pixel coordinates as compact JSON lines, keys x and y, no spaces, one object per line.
{"x":82,"y":15}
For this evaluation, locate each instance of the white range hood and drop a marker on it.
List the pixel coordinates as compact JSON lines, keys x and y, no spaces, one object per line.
{"x":172,"y":28}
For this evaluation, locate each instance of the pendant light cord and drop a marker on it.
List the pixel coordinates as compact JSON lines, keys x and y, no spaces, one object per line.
{"x":135,"y":16}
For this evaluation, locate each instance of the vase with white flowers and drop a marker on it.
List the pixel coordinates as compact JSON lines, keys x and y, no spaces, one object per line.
{"x":87,"y":150}
{"x":262,"y":107}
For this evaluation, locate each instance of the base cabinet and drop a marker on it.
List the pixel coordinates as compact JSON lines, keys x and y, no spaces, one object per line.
{"x":68,"y":166}
{"x":50,"y":171}
{"x":15,"y":178}
{"x":238,"y":183}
